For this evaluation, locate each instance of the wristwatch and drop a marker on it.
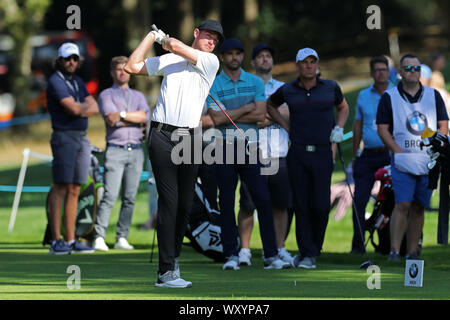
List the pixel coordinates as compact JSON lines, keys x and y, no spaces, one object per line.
{"x":123,"y":114}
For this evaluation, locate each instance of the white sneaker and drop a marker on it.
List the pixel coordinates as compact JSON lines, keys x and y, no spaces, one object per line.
{"x":276,"y":263}
{"x":171,"y":280}
{"x":284,"y":255}
{"x":244,"y":257}
{"x":99,"y":244}
{"x":122,"y":243}
{"x":231,"y":264}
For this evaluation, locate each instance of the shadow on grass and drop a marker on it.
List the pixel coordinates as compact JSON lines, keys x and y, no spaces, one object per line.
{"x":129,"y":275}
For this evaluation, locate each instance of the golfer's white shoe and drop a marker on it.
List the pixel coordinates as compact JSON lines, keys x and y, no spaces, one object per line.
{"x":276,"y":263}
{"x":122,"y":243}
{"x":100,"y":245}
{"x":231,"y":264}
{"x":170,"y":279}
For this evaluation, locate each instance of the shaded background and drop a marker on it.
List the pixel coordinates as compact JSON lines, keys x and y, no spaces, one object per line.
{"x":336,"y":29}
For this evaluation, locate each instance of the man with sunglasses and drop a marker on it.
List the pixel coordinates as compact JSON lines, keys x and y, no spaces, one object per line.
{"x":69,"y":104}
{"x":374,"y":155}
{"x":403,"y":113}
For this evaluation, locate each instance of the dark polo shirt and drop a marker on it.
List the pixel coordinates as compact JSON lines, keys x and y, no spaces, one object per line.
{"x":384,"y":113}
{"x":59,"y":88}
{"x":311,"y":112}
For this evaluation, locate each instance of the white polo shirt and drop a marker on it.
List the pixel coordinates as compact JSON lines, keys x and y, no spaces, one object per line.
{"x":184,"y":87}
{"x":273,"y":140}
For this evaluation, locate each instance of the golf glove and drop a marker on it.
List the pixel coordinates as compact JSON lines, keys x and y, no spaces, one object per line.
{"x":337,"y":135}
{"x":159,"y":35}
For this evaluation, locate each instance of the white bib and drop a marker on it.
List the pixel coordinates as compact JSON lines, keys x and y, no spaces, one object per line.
{"x":409,"y":120}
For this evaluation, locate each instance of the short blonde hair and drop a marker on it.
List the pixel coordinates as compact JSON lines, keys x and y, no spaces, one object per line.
{"x":118,"y":60}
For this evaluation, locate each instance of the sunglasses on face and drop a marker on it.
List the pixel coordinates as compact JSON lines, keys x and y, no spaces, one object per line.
{"x":74,"y":57}
{"x":411,"y":68}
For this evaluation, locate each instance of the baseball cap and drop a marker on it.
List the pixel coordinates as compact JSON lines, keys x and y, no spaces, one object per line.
{"x":67,"y":49}
{"x":304,"y":53}
{"x":260,"y":47}
{"x":230,"y":44}
{"x":212,"y":25}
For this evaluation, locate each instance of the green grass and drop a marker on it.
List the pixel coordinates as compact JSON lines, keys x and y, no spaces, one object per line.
{"x":28,"y":272}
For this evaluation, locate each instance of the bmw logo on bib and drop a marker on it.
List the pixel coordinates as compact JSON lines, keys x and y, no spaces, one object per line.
{"x":416,"y":123}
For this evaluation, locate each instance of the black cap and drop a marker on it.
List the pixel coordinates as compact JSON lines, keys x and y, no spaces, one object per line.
{"x":212,"y":25}
{"x":260,"y":47}
{"x":230,"y":44}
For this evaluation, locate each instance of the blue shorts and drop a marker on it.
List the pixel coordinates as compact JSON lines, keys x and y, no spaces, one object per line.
{"x":71,"y":157}
{"x":410,"y":188}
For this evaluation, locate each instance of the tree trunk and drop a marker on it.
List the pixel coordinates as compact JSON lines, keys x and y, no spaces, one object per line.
{"x":137,"y":22}
{"x":251,"y":13}
{"x":187,"y":21}
{"x":215,"y":10}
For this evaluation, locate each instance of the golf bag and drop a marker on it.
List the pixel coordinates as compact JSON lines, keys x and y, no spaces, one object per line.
{"x":439,"y":165}
{"x":88,"y":200}
{"x":203,"y":229}
{"x":379,"y":221}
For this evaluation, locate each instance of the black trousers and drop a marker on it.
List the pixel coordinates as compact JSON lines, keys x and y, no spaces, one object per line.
{"x":175,"y":184}
{"x":310,"y":177}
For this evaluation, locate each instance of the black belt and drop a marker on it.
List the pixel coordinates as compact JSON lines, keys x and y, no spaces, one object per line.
{"x":375,"y":150}
{"x":77,"y":132}
{"x":167,"y":127}
{"x":127,"y":146}
{"x":311,"y":148}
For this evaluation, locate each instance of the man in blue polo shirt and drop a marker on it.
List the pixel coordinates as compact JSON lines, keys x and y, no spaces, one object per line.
{"x":312,"y":130}
{"x":374,"y":155}
{"x":69,"y":104}
{"x":242,"y":95}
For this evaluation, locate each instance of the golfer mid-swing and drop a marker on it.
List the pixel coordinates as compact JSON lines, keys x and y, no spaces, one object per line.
{"x":189,"y":73}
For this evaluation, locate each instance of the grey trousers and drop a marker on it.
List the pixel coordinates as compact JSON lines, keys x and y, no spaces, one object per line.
{"x":122,"y":167}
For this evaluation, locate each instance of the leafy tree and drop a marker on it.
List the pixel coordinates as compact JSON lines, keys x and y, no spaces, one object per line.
{"x":22,"y":19}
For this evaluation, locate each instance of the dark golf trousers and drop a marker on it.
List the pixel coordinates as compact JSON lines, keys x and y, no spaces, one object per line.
{"x":364,"y":169}
{"x":227,"y":179}
{"x":175,"y":185}
{"x":310,"y":176}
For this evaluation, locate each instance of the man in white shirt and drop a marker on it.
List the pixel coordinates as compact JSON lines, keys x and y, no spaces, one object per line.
{"x":189,"y":73}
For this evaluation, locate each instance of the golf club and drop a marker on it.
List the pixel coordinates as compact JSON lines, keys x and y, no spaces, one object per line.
{"x":247,"y":149}
{"x":367,"y":263}
{"x":153,"y":245}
